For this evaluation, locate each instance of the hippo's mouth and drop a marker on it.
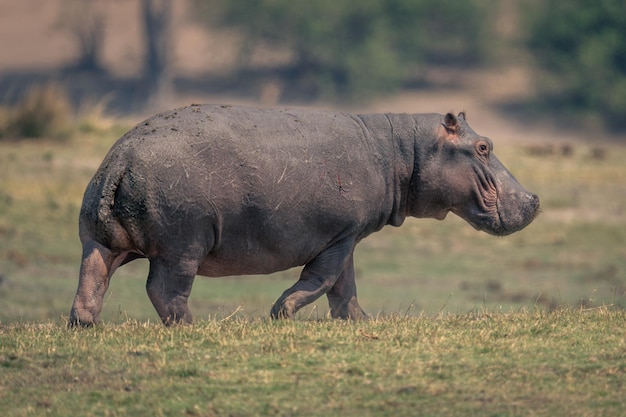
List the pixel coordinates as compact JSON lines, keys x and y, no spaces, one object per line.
{"x":484,"y":222}
{"x":502,"y":221}
{"x":441,"y":215}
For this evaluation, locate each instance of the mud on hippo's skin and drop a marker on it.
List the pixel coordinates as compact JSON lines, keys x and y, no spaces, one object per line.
{"x":226,"y":190}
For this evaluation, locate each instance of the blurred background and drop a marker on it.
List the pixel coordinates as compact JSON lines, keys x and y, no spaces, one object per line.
{"x":546,"y":80}
{"x":563,"y":63}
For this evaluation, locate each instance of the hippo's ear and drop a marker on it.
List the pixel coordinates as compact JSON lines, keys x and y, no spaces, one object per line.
{"x":462,"y":116}
{"x":451,"y":123}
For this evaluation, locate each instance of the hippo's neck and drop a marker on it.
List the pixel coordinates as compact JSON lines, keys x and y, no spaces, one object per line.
{"x":410,"y":136}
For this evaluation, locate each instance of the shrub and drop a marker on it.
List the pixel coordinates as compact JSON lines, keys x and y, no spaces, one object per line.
{"x":44,"y":111}
{"x":581,"y":47}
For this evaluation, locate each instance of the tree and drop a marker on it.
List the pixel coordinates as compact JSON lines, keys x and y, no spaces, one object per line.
{"x":350,"y":48}
{"x":85,"y":22}
{"x":156,"y":16}
{"x":581,"y":47}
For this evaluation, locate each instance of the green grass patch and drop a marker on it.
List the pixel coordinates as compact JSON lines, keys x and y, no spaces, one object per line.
{"x":563,"y":363}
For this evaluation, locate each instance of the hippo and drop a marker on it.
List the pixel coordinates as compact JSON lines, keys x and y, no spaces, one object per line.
{"x":226,"y":190}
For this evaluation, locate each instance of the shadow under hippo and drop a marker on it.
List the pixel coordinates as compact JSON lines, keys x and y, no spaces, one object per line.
{"x":224,"y":190}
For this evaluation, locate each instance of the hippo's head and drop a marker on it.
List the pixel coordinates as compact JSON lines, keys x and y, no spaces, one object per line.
{"x":461,"y":174}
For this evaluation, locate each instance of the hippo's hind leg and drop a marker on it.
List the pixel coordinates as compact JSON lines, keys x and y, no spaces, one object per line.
{"x":342,"y":296}
{"x":169,"y":285}
{"x":97,"y":266}
{"x":318,"y":278}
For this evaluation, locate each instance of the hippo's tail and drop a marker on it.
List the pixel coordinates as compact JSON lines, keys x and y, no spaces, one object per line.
{"x":97,"y":221}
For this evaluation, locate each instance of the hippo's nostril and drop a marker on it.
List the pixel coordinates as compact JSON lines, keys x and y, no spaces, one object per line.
{"x":534,"y":199}
{"x":533,"y":205}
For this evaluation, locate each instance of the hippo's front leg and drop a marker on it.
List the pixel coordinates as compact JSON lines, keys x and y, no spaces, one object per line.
{"x":317,"y":278}
{"x":342,"y":296}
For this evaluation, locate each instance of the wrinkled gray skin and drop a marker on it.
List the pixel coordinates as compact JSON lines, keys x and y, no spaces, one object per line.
{"x":221,"y":190}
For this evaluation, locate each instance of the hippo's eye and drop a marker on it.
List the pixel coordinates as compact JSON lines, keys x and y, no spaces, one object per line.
{"x":482,"y":148}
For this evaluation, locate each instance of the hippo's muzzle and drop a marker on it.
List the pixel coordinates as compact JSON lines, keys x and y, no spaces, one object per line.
{"x":506,"y":218}
{"x":501,"y":205}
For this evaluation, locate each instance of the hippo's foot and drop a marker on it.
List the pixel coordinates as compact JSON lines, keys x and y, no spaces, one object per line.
{"x":340,"y":308}
{"x":174,"y":319}
{"x":81,"y":318}
{"x":284,"y":310}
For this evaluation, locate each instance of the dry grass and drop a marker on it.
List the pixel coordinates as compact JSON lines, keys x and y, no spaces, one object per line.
{"x":44,"y":111}
{"x":568,"y":362}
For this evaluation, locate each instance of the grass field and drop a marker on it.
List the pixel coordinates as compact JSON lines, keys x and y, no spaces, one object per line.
{"x":464,"y":323}
{"x":563,"y":363}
